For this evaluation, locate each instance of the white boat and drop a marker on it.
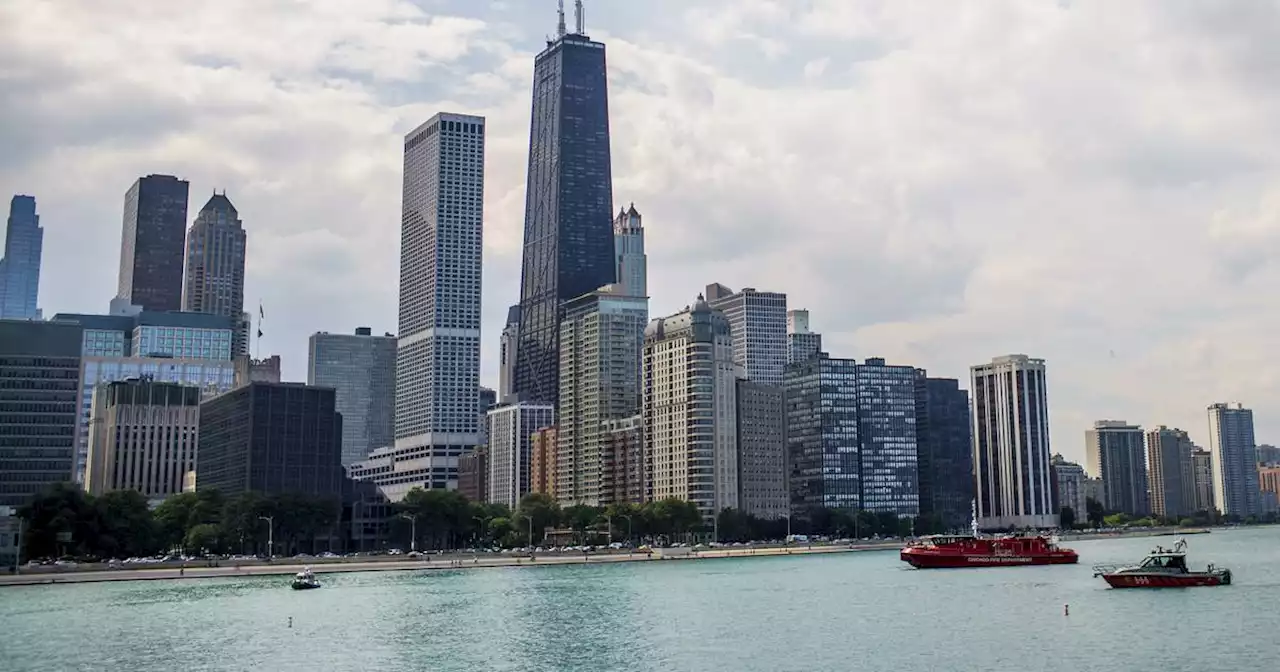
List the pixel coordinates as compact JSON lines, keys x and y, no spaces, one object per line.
{"x":305,"y":580}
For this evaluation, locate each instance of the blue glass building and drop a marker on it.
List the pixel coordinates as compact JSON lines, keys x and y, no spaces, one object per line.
{"x":20,"y":267}
{"x":568,"y":227}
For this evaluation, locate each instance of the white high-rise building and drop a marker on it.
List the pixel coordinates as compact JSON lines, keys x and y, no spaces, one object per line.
{"x":758,"y":321}
{"x":1235,"y":459}
{"x":511,"y":429}
{"x":507,"y":346}
{"x":802,"y":343}
{"x":628,"y":249}
{"x":438,"y":353}
{"x":690,"y":415}
{"x":1011,"y":444}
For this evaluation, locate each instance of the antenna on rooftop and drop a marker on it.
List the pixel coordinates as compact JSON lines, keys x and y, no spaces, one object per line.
{"x":560,"y":27}
{"x":580,"y":18}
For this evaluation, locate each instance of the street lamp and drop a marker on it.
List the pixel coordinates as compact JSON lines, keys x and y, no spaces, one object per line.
{"x":271,"y":535}
{"x":530,"y":519}
{"x":413,"y":541}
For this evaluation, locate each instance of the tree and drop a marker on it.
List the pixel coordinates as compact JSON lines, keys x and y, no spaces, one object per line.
{"x":126,"y":528}
{"x":580,"y":518}
{"x":203,"y":538}
{"x":61,"y":520}
{"x":541,"y":509}
{"x":1067,"y":518}
{"x":1095,"y":512}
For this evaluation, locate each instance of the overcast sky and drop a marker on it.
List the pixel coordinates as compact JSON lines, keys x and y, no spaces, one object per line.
{"x":1095,"y":183}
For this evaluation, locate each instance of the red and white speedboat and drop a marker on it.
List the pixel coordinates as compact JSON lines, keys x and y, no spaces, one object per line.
{"x":1162,"y":569}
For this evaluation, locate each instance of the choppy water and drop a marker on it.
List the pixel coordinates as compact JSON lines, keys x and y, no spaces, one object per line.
{"x":856,"y":611}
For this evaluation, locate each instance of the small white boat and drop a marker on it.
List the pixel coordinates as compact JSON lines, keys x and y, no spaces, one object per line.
{"x":305,"y":580}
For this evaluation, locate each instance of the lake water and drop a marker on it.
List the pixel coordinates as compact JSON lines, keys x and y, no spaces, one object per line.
{"x":851,"y":611}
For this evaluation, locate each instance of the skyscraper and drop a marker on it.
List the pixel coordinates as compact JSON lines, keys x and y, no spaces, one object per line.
{"x":507,"y":345}
{"x":361,"y":368}
{"x":1073,"y":491}
{"x":801,"y":342}
{"x":511,"y":431}
{"x":1172,"y":476}
{"x":762,"y":451}
{"x":759,"y":324}
{"x":628,"y":249}
{"x":1011,"y":444}
{"x":1114,"y":452}
{"x":1235,"y":459}
{"x":568,"y":232}
{"x":20,"y":267}
{"x":152,"y":245}
{"x":822,"y":434}
{"x":690,"y":426}
{"x":142,"y":437}
{"x":887,"y":438}
{"x":944,"y":431}
{"x":215,"y":266}
{"x":601,"y":347}
{"x":1202,"y":470}
{"x":438,"y":352}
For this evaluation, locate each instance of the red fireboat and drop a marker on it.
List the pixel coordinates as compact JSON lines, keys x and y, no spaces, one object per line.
{"x":976,"y":550}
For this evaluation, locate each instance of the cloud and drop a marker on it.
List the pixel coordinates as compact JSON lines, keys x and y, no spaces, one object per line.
{"x":1093,"y":183}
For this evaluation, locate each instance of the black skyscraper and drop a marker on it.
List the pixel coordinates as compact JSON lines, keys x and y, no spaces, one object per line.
{"x":154,"y":242}
{"x":944,"y":428}
{"x":568,"y":226}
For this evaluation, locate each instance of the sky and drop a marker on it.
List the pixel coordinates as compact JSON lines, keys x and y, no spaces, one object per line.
{"x":1089,"y":182}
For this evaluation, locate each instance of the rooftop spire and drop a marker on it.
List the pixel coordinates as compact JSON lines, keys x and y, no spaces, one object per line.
{"x":579,"y":17}
{"x":560,"y":29}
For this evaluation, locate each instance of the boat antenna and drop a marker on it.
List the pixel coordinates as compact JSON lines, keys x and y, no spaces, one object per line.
{"x":1180,"y":545}
{"x":560,"y":27}
{"x":580,"y":17}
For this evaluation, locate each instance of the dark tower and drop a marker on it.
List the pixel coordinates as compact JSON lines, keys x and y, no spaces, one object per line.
{"x":568,"y":225}
{"x":153,"y":244}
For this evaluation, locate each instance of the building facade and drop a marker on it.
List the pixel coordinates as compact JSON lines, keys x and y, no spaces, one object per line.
{"x":1235,"y":459}
{"x":473,"y":474}
{"x":153,"y":243}
{"x":759,"y":324}
{"x":632,"y":266}
{"x":214,"y":279}
{"x":568,"y":232}
{"x":361,"y":368}
{"x":601,"y":348}
{"x":511,"y":429}
{"x":271,"y":438}
{"x":822,"y":434}
{"x":1268,"y":455}
{"x":1114,"y":452}
{"x":1202,"y":471}
{"x":1011,"y":444}
{"x":1073,"y":491}
{"x":507,"y":344}
{"x":888,"y":447}
{"x":690,"y":409}
{"x":626,"y":468}
{"x":542,"y":461}
{"x":802,"y":343}
{"x":39,"y":374}
{"x":944,"y":439}
{"x":762,"y":451}
{"x":20,"y":266}
{"x":438,"y":353}
{"x":1172,"y":476}
{"x":143,"y":437}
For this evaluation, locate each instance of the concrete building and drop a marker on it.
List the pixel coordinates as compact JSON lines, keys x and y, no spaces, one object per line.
{"x":214,"y":279}
{"x":888,"y":446}
{"x":601,"y":346}
{"x":758,"y":321}
{"x":568,"y":235}
{"x":1073,"y":490}
{"x":441,"y":239}
{"x":762,"y":451}
{"x":944,"y":440}
{"x":361,"y":368}
{"x":39,"y":374}
{"x":508,"y":343}
{"x":473,"y":474}
{"x":488,"y":401}
{"x":20,"y":266}
{"x":1094,"y":489}
{"x":1269,"y":486}
{"x":1268,"y":455}
{"x":1011,"y":444}
{"x":626,"y":469}
{"x":1235,"y":459}
{"x":1114,"y":452}
{"x":142,"y":436}
{"x":271,"y":438}
{"x":511,"y":429}
{"x":1202,"y":471}
{"x":802,"y":343}
{"x":1173,"y":488}
{"x":822,"y":434}
{"x":690,"y":408}
{"x":250,"y":370}
{"x":153,"y":243}
{"x":542,"y":461}
{"x":628,"y":249}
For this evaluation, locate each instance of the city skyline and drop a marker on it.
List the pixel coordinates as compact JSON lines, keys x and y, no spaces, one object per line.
{"x":328,"y":245}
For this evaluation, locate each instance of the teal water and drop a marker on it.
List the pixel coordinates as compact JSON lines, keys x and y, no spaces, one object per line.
{"x":853,"y":611}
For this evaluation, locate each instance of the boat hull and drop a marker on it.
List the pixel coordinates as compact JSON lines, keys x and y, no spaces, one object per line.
{"x":921,"y":558}
{"x":305,"y":586}
{"x":1157,"y":580}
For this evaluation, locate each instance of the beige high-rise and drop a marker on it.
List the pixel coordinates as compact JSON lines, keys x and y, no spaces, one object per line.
{"x":142,"y":436}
